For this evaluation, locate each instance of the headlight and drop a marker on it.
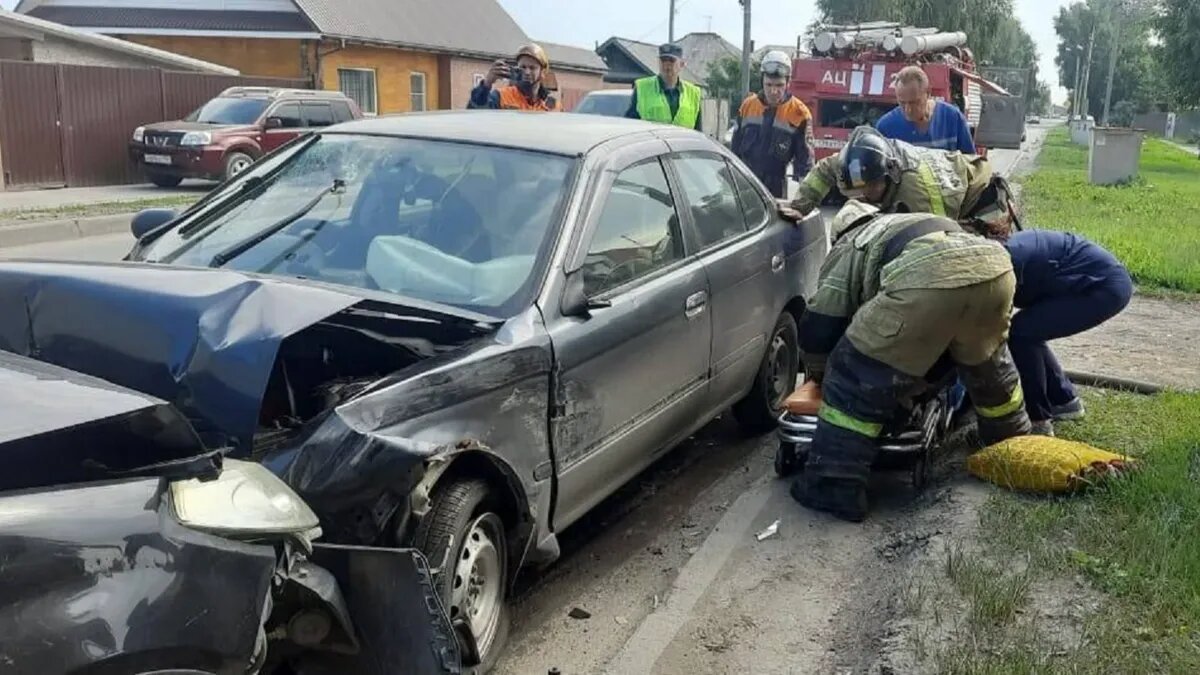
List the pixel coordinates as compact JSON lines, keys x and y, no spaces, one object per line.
{"x":196,"y":138}
{"x":246,"y":499}
{"x":139,"y":134}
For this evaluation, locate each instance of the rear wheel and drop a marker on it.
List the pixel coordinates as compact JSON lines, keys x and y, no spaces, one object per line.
{"x":759,"y":411}
{"x":237,"y":162}
{"x":464,"y":539}
{"x":164,"y":180}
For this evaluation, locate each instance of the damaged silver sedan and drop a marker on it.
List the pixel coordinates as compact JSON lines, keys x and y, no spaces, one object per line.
{"x":457,"y":331}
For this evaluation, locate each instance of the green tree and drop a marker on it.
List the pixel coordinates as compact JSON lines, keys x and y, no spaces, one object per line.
{"x":1138,"y":76}
{"x":724,"y":80}
{"x":1178,"y":27}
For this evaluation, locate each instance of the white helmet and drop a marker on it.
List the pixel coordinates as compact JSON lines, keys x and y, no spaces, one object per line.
{"x":776,"y":64}
{"x":850,"y":215}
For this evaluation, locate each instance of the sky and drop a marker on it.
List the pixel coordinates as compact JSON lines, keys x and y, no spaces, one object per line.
{"x":586,"y":23}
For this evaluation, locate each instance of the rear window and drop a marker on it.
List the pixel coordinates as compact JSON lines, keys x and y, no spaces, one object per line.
{"x":851,"y":113}
{"x":608,"y":104}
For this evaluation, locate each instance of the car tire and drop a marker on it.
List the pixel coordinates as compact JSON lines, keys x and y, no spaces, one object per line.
{"x":236,"y":162}
{"x":164,"y":180}
{"x":464,"y":539}
{"x":758,"y":412}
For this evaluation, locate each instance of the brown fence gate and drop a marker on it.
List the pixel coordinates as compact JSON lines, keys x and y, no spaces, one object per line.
{"x":70,"y":126}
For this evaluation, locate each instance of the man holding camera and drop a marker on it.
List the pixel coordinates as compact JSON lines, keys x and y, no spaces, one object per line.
{"x":526,"y":89}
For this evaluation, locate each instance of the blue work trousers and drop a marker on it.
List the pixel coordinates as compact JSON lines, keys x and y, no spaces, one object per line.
{"x":1043,"y":381}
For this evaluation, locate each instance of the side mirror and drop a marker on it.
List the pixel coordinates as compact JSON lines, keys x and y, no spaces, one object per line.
{"x":274,"y":123}
{"x":575,"y":301}
{"x":150,"y":219}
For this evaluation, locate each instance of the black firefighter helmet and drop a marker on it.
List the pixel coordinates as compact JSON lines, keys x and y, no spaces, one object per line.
{"x":866,"y":157}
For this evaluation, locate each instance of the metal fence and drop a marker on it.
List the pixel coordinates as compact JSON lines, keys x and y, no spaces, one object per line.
{"x":69,"y":126}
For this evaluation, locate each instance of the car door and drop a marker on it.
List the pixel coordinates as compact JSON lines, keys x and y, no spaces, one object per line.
{"x":632,"y":372}
{"x":290,"y":125}
{"x":725,"y":223}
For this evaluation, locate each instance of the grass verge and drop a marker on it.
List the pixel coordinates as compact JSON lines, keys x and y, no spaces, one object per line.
{"x":97,"y":209}
{"x":1152,"y":224}
{"x":1133,"y":544}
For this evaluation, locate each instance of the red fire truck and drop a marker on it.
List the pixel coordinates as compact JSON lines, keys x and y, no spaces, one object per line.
{"x":850,"y":81}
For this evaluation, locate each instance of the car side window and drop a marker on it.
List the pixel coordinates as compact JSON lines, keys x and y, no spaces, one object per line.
{"x":751,"y":200}
{"x":341,"y":111}
{"x":289,"y":115}
{"x":318,"y":114}
{"x":708,"y":187}
{"x":638,"y":230}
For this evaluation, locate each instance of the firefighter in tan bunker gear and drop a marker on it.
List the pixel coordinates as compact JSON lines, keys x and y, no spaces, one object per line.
{"x":897,"y":293}
{"x":902,"y":178}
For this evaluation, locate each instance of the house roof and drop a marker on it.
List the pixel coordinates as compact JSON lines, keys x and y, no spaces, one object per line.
{"x":37,"y":28}
{"x":173,"y":19}
{"x":579,"y":58}
{"x":465,"y":26}
{"x":646,"y":55}
{"x":703,"y":49}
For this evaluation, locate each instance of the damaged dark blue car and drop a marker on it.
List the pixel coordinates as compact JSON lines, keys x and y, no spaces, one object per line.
{"x":447,"y":335}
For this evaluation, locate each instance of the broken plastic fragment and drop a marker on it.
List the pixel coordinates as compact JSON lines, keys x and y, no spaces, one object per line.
{"x":771,"y":531}
{"x":579,"y":613}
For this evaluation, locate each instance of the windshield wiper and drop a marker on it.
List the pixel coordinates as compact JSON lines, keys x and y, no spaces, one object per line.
{"x":241,"y":247}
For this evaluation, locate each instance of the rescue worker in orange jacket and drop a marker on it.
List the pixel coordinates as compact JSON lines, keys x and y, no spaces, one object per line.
{"x":526,"y":89}
{"x":774,"y":128}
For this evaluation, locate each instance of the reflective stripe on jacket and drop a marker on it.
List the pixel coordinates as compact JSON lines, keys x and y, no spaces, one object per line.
{"x":653,"y":106}
{"x":768,"y":138}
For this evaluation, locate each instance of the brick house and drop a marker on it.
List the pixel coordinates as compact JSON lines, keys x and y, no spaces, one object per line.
{"x":390,"y":56}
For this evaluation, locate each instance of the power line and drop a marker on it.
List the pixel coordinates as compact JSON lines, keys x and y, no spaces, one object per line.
{"x":678,"y":6}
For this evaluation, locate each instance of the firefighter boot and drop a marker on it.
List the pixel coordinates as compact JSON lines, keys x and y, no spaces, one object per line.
{"x":845,"y":499}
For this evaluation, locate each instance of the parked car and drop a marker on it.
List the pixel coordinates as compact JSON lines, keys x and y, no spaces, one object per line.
{"x":607,"y":102}
{"x":225,"y":135}
{"x":127,"y":546}
{"x":449,"y":335}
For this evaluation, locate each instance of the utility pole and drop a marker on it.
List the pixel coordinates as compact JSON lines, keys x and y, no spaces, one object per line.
{"x":1087,"y":74}
{"x":1119,"y":21}
{"x":671,"y":28}
{"x":746,"y":47}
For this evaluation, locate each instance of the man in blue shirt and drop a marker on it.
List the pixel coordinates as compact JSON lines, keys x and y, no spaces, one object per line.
{"x":920,"y":120}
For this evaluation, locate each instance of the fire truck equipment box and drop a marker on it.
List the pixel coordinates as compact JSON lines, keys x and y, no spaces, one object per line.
{"x":1114,"y":155}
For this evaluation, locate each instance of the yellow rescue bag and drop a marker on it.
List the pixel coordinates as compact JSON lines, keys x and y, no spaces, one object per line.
{"x":1045,"y":464}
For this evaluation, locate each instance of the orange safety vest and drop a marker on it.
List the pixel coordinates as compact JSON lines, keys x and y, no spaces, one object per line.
{"x":511,"y":98}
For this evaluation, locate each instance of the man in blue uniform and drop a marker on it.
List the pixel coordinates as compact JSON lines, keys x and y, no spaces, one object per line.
{"x":920,"y":120}
{"x":1065,"y":286}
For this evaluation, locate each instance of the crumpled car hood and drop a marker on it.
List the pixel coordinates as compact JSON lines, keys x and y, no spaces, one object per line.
{"x":204,"y":340}
{"x":58,"y":426}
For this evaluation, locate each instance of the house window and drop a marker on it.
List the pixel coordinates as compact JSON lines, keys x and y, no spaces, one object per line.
{"x":359,"y":85}
{"x":417,"y":84}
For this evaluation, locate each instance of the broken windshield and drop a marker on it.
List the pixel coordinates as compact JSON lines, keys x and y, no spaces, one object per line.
{"x":452,"y":223}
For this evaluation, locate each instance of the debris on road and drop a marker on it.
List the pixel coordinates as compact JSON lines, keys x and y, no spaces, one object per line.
{"x":579,"y":613}
{"x":771,"y":531}
{"x":621,"y":621}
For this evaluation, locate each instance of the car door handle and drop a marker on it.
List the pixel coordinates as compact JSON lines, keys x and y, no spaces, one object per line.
{"x":777,"y":262}
{"x":695,"y":304}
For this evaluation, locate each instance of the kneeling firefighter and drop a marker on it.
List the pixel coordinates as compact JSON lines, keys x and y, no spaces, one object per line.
{"x":898,"y":293}
{"x":902,"y":178}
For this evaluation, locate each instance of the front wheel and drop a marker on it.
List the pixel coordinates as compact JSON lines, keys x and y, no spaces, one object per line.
{"x":164,"y":180}
{"x":465,"y":541}
{"x":237,"y":162}
{"x":759,"y":411}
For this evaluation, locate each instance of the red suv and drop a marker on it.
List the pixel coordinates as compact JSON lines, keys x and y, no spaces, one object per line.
{"x":224,"y":136}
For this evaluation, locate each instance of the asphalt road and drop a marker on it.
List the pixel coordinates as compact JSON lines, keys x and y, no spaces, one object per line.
{"x":672,"y":574}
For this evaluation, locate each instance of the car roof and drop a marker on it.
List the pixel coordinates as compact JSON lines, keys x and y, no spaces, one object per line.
{"x":557,"y":133}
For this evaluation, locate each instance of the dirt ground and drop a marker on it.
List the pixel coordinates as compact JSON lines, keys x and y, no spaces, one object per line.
{"x":672,"y":578}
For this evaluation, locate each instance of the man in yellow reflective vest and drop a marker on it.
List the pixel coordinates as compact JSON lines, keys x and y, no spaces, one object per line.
{"x":666,"y":97}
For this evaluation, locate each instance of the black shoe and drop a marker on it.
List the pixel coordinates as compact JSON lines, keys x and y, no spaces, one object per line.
{"x":844,"y":499}
{"x":1071,"y":410}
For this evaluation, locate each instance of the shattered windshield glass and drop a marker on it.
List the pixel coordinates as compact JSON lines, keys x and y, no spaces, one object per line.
{"x":451,"y":223}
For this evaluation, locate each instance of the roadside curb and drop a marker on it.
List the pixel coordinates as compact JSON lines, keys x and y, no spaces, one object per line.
{"x":14,"y":233}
